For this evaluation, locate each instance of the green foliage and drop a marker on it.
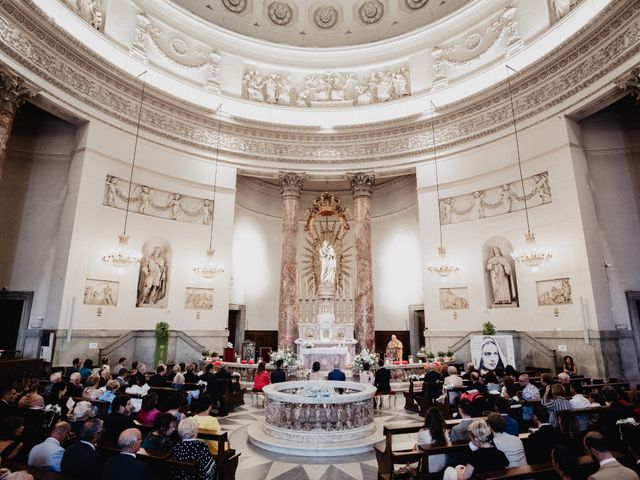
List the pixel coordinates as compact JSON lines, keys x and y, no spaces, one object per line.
{"x":449,"y":354}
{"x":213,"y":354}
{"x":488,"y":328}
{"x":162,"y":331}
{"x":205,"y":353}
{"x":440,"y":353}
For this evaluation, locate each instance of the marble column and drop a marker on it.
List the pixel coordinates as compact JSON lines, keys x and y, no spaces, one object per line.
{"x":13,"y":92}
{"x":364,"y":328}
{"x":290,"y":186}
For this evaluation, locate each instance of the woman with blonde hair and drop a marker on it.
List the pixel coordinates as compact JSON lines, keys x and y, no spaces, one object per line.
{"x":178,"y":378}
{"x":92,"y":392}
{"x":484,"y":456}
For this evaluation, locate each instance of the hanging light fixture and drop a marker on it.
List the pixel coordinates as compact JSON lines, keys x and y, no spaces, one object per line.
{"x":532,"y":255}
{"x":121,"y":256}
{"x":210,"y":268}
{"x":442,"y":267}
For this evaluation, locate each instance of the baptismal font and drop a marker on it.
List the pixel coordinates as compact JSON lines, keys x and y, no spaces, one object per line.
{"x":325,"y":327}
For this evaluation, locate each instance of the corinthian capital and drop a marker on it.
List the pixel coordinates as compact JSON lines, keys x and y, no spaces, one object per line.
{"x":291,"y":184}
{"x":362,"y":183}
{"x":630,"y":82}
{"x":14,"y":90}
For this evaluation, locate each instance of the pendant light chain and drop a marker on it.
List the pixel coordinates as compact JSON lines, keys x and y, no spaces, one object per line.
{"x":133,"y":161}
{"x":435,"y":162}
{"x":215,"y":178}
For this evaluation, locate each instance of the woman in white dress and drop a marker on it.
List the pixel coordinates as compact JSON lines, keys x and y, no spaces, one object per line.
{"x":366,"y":375}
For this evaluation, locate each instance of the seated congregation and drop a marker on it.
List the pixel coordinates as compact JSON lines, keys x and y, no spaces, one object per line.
{"x":505,"y":424}
{"x":119,"y":423}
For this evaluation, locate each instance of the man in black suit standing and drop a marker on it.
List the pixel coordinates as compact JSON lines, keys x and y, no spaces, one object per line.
{"x":82,"y":459}
{"x":125,"y":465}
{"x":220,"y":379}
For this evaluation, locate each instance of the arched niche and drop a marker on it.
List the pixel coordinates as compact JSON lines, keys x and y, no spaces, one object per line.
{"x":501,"y":286}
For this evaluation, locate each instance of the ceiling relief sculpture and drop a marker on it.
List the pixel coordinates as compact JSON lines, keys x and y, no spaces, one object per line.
{"x":307,"y":22}
{"x":235,"y":6}
{"x":325,"y":17}
{"x":476,"y":46}
{"x":78,"y":79}
{"x":329,"y":89}
{"x":371,"y":12}
{"x":148,"y":34}
{"x":280,"y":13}
{"x":89,"y":10}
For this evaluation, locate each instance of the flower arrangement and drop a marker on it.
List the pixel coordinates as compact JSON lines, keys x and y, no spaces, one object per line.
{"x":423,"y":352}
{"x":364,"y":357}
{"x":287,"y":356}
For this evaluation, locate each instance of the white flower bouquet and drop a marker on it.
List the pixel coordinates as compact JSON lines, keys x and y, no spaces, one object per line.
{"x":289,"y":359}
{"x":364,"y":357}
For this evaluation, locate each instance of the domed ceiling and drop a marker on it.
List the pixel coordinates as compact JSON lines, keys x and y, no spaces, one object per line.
{"x":322,"y":23}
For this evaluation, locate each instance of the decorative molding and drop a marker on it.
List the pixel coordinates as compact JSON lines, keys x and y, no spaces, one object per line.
{"x":415,"y":4}
{"x":280,"y":13}
{"x":371,"y":11}
{"x":496,"y":201}
{"x":329,"y":89}
{"x":158,"y":203}
{"x":476,"y":46}
{"x":235,"y":6}
{"x":325,"y":17}
{"x":147,"y":32}
{"x":362,"y":183}
{"x":560,"y":78}
{"x":88,"y":10}
{"x":291,"y":184}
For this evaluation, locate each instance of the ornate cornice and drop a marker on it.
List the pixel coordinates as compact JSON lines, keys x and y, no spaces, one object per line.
{"x":291,"y":184}
{"x":362,"y":183}
{"x":563,"y":76}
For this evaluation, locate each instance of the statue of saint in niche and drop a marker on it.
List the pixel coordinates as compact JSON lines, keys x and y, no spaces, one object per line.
{"x":152,"y":282}
{"x":327,"y":264}
{"x":502,"y":281}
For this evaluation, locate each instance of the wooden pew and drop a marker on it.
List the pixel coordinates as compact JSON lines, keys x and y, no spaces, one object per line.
{"x":387,"y":457}
{"x":585,"y":462}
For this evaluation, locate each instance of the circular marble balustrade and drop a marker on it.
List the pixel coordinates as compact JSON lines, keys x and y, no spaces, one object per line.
{"x":312,"y":418}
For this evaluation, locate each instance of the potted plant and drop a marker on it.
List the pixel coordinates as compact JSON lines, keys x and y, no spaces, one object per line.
{"x":440,"y":356}
{"x":205,"y":354}
{"x":488,"y":328}
{"x":430,"y":356}
{"x":449,"y":355}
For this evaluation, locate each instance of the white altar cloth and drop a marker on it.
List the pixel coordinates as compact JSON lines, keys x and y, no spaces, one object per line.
{"x":327,"y":356}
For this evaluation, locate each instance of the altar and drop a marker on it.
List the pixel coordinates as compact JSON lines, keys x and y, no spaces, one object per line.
{"x":327,"y":356}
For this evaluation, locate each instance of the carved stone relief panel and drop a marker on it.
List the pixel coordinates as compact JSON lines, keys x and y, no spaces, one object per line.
{"x":475,"y":46}
{"x":333,"y":89}
{"x":371,"y":11}
{"x":156,"y":203}
{"x":325,"y":17}
{"x":89,"y":10}
{"x":494,"y":201}
{"x":175,"y":50}
{"x":280,"y":13}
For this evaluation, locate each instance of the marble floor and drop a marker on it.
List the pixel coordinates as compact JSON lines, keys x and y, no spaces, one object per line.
{"x":258,"y":464}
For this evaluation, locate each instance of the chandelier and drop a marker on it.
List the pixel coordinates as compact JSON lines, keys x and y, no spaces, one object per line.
{"x":531,"y":256}
{"x":210,"y":268}
{"x":121,"y":256}
{"x":442,"y":267}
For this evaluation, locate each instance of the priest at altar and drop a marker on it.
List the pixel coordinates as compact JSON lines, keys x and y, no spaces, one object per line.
{"x":394,"y":350}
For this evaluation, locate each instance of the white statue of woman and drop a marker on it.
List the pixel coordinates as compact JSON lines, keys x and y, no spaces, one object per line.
{"x":327,"y":264}
{"x":502,"y":283}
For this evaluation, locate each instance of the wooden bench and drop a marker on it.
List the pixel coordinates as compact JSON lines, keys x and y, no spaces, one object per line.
{"x":387,"y":457}
{"x":585,"y":463}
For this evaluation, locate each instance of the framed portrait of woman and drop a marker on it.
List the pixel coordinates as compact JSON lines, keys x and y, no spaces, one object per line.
{"x":489,"y":352}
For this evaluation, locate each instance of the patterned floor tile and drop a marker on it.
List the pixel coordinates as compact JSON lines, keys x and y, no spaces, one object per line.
{"x":296,"y":473}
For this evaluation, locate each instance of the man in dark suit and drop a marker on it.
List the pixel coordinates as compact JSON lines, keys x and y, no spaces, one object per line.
{"x":608,"y":420}
{"x":75,"y":367}
{"x":383,"y":378}
{"x":541,"y":442}
{"x":336,"y":373}
{"x":119,"y":419}
{"x":191,"y":376}
{"x":220,"y":379}
{"x":82,"y":459}
{"x":125,"y":465}
{"x":158,"y":380}
{"x":278,"y":375}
